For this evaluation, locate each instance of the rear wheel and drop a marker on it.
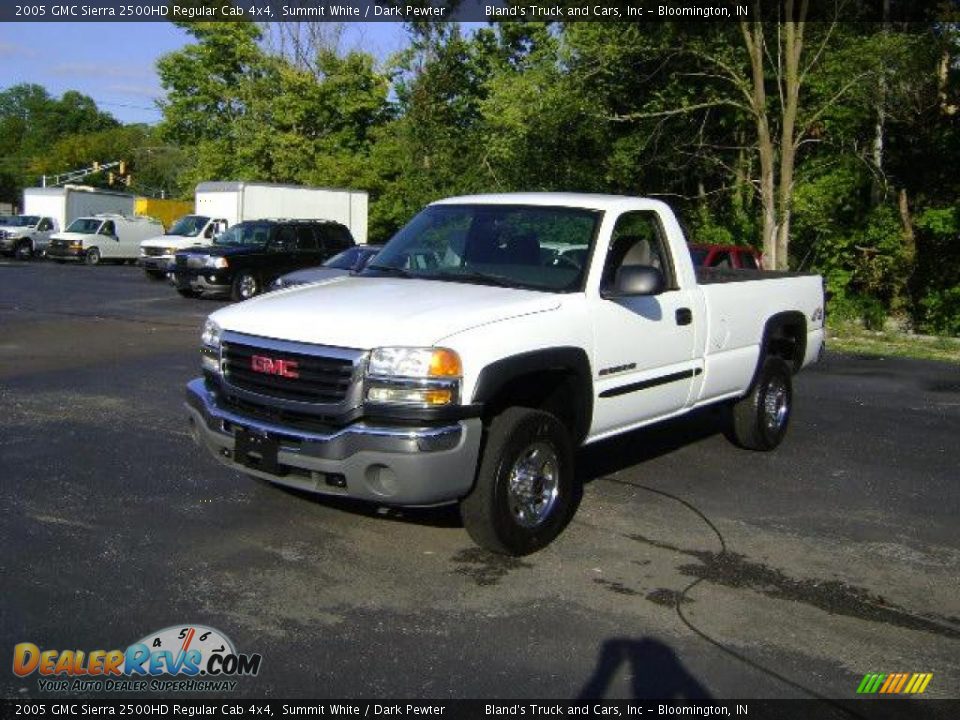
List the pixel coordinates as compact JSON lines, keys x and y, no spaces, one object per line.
{"x":24,"y":250}
{"x":759,"y":420}
{"x":92,"y":257}
{"x":155,"y":274}
{"x":187,"y":292}
{"x":525,"y":493}
{"x":245,"y":286}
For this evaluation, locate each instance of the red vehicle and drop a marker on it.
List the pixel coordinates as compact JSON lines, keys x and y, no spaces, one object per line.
{"x":726,"y":256}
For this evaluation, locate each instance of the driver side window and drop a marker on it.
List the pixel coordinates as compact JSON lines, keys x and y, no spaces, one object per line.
{"x":108,"y":229}
{"x":638,"y":239}
{"x":285,"y":240}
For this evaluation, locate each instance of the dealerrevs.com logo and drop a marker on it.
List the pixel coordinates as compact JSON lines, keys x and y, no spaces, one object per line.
{"x":200,"y":659}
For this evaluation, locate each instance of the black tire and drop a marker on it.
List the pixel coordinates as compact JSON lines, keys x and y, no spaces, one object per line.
{"x":760,"y":419}
{"x":92,"y":257}
{"x":187,"y":292}
{"x":490,"y":514}
{"x":245,"y":286}
{"x":23,"y":251}
{"x":155,"y":274}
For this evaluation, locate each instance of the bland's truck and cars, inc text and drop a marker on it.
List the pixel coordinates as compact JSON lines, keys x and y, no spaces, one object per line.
{"x":490,"y":338}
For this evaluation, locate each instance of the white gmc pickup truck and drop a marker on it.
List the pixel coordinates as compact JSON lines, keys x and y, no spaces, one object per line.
{"x":491,"y":337}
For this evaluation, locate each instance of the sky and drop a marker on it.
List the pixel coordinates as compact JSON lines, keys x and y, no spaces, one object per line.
{"x":114,"y":62}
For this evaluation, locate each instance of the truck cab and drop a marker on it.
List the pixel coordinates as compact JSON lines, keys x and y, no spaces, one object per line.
{"x":157,"y":253}
{"x":24,"y":236}
{"x":106,"y":236}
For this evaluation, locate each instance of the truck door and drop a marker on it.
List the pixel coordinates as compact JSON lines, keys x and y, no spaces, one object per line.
{"x":643,"y":346}
{"x":41,"y":238}
{"x":107,"y":240}
{"x":308,"y":246}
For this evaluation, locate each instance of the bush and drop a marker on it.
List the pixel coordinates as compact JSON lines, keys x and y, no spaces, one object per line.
{"x":941,"y":312}
{"x":863,"y":309}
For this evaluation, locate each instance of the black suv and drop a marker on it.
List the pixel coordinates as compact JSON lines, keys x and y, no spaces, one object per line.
{"x":250,"y":255}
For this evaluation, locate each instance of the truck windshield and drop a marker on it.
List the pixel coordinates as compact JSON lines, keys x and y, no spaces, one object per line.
{"x":87,"y":226}
{"x":189,"y":225}
{"x":253,"y":234}
{"x":521,"y":246}
{"x":353,"y":259}
{"x":22,"y":221}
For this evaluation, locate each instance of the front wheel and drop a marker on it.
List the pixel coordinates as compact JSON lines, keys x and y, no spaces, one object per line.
{"x":526,"y":492}
{"x":245,"y":286}
{"x":759,"y":420}
{"x":24,"y":251}
{"x":92,"y":257}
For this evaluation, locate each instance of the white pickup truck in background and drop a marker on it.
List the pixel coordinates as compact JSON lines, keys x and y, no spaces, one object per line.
{"x":24,"y":236}
{"x":537,"y":323}
{"x":157,"y":253}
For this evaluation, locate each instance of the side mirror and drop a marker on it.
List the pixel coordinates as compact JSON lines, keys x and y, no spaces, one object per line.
{"x":634,"y":280}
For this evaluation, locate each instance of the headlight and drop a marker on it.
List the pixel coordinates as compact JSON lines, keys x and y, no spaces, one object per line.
{"x":170,"y":251}
{"x":426,"y":377}
{"x":210,"y":352}
{"x":213,"y":261}
{"x":76,"y":244}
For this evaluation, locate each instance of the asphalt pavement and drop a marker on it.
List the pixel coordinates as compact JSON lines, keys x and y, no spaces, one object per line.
{"x":692,"y":568}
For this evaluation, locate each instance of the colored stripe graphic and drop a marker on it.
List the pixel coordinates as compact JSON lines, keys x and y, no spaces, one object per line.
{"x":894,"y":683}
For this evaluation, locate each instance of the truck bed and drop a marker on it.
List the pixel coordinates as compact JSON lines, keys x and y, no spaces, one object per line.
{"x":717,"y":276}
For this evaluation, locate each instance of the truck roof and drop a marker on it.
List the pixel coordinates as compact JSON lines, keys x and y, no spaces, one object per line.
{"x":59,"y":190}
{"x":230,"y":185}
{"x":591,"y":201}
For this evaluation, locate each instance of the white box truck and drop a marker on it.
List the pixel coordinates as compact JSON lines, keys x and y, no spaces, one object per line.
{"x":238,"y":201}
{"x":66,"y":204}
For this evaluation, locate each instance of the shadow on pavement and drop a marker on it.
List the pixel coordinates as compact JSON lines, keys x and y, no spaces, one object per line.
{"x":655,"y":671}
{"x":618,"y":453}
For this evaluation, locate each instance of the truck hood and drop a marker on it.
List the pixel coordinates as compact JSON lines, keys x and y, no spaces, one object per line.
{"x":226,"y":250}
{"x":70,"y":236}
{"x":17,"y":229}
{"x":368,"y":312}
{"x":175,"y":241}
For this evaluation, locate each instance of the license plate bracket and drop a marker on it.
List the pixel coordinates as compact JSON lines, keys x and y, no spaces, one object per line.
{"x":257,"y":451}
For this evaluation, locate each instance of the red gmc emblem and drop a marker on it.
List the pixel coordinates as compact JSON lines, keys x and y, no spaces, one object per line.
{"x":274,"y":366}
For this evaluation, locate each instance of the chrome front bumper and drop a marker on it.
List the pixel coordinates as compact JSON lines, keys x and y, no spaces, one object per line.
{"x":393,"y":465}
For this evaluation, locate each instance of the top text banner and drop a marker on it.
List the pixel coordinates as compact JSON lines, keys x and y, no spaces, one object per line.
{"x":476,"y":11}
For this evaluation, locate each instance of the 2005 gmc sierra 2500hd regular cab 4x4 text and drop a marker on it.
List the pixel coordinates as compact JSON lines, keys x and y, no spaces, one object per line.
{"x":491,"y":337}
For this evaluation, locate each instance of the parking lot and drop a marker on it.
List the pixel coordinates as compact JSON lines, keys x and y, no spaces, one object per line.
{"x":692,"y":569}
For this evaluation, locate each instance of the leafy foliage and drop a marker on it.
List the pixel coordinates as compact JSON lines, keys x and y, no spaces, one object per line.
{"x":672,"y":110}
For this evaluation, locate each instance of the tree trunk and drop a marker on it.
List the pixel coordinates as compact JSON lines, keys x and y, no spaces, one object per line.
{"x":878,"y":188}
{"x":753,"y":38}
{"x":793,"y":32}
{"x":908,"y":256}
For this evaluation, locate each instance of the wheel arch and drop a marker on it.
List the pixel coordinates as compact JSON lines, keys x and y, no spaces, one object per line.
{"x":558,"y":380}
{"x":784,"y":336}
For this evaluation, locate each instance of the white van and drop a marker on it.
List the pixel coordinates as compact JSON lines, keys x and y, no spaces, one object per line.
{"x":106,"y":236}
{"x":156,"y":253}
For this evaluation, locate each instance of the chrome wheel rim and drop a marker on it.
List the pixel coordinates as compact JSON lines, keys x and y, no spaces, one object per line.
{"x":776,"y":405}
{"x":248,"y":286}
{"x":93,"y":257}
{"x":533,"y":485}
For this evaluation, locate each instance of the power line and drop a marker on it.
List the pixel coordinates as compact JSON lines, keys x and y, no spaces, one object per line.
{"x":123,"y":105}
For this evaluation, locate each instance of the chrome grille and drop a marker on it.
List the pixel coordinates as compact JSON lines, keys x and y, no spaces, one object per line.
{"x":154,"y":251}
{"x":320,"y":378}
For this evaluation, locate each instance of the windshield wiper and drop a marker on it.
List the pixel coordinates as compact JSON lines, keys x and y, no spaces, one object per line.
{"x":476,"y":277}
{"x":390,"y":270}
